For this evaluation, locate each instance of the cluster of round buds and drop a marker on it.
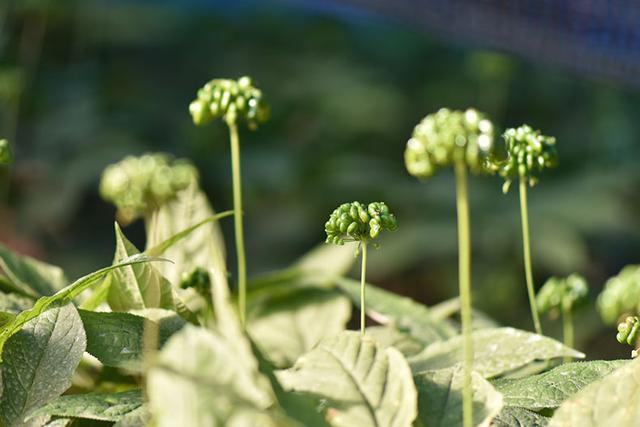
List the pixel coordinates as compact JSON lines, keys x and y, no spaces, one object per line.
{"x":562,"y":291}
{"x":447,"y":137}
{"x":528,"y":153}
{"x":6,"y":155}
{"x":198,"y":280}
{"x":628,"y":331}
{"x":621,"y":295}
{"x":359,"y":222}
{"x":138,"y":185}
{"x":229,"y":99}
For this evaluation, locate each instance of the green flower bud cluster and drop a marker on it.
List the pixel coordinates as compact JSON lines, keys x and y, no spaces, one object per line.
{"x":198,"y":279}
{"x":557,"y":291}
{"x":6,"y":155}
{"x":359,"y":222}
{"x":528,"y":153}
{"x":447,"y":137}
{"x":229,"y":99}
{"x":621,"y":295}
{"x":628,"y":331}
{"x":138,"y":185}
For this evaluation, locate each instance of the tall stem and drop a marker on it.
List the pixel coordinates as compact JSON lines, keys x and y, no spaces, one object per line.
{"x":239,"y":231}
{"x":527,"y":255}
{"x":363,"y":281}
{"x":567,"y":326}
{"x":464,"y":279}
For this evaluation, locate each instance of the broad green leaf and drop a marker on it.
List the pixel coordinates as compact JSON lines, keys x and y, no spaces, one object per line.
{"x":94,"y":406}
{"x":168,"y":321}
{"x":203,"y":378}
{"x":60,"y":422}
{"x":287,"y":326}
{"x":204,"y":247}
{"x":117,"y":339}
{"x":613,"y":400}
{"x":136,"y":286}
{"x":440,"y":398}
{"x":6,"y":318}
{"x":496,"y":351}
{"x":403,"y":313}
{"x":363,"y":383}
{"x":388,"y":336}
{"x":519,"y":417}
{"x":63,"y":296}
{"x":327,"y":260}
{"x":550,"y":389}
{"x":30,"y":276}
{"x":39,"y":362}
{"x":14,"y":303}
{"x":137,"y":418}
{"x":450,"y":307}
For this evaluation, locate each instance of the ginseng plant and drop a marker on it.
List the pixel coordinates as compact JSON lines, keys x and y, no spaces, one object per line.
{"x":356,"y":222}
{"x":233,"y":100}
{"x":528,"y":153}
{"x":464,"y":141}
{"x":563,"y":295}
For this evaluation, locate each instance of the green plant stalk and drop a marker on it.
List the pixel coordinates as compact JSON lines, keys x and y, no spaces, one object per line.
{"x":363,"y":281}
{"x":239,"y":231}
{"x":464,"y":279}
{"x":567,"y":326}
{"x":526,"y":246}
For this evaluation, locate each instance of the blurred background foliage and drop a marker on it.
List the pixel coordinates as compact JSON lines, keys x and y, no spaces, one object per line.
{"x":83,"y":83}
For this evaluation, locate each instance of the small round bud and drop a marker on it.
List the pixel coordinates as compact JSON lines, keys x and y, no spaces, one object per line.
{"x":628,"y":331}
{"x":559,"y":292}
{"x":358,"y":222}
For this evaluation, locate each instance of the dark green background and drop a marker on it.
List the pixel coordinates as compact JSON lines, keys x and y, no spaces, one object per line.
{"x":83,"y":83}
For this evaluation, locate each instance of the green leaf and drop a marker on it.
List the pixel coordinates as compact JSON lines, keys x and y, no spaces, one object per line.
{"x":388,"y":336}
{"x":363,"y":383}
{"x":550,"y":389}
{"x":519,"y":417}
{"x":94,"y":406}
{"x":286,"y":326}
{"x":137,"y":418}
{"x":403,"y":313}
{"x":63,"y":296}
{"x":613,"y":400}
{"x":496,"y":351}
{"x":203,"y":247}
{"x":30,"y":276}
{"x":327,"y":260}
{"x":136,"y":286}
{"x":117,"y":339}
{"x":39,"y":362}
{"x":202,"y":377}
{"x":440,"y":398}
{"x":14,"y":303}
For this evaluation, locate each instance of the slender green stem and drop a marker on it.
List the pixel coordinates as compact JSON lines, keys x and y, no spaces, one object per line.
{"x":567,"y":326}
{"x":239,"y":231}
{"x":526,"y":246}
{"x":363,"y":281}
{"x":464,"y":279}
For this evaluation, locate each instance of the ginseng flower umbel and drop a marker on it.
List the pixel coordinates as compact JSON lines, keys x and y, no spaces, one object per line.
{"x":448,"y":136}
{"x":229,"y":99}
{"x":359,"y":222}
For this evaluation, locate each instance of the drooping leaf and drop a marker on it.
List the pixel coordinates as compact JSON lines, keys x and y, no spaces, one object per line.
{"x":94,"y":406}
{"x":204,"y":247}
{"x":363,"y":383}
{"x":136,"y":286}
{"x":550,"y":389}
{"x":440,"y":398}
{"x":519,"y":417}
{"x":496,"y":351}
{"x":202,"y":377}
{"x":63,"y":296}
{"x":402,"y":312}
{"x":287,"y":326}
{"x":39,"y":362}
{"x":117,"y":339}
{"x":613,"y":400}
{"x":30,"y":276}
{"x":388,"y":336}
